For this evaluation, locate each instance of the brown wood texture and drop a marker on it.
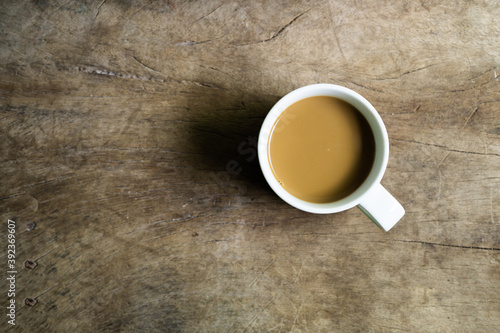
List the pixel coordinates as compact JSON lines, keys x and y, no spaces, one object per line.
{"x":121,"y":119}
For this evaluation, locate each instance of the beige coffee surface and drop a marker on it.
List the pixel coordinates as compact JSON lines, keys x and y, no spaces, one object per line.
{"x":321,"y":149}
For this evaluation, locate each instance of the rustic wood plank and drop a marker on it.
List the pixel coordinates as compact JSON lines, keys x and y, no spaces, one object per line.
{"x":119,"y":118}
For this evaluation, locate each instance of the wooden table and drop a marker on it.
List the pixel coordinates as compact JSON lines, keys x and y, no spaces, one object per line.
{"x":126,"y":136}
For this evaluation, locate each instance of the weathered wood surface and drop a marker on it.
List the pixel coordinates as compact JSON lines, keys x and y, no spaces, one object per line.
{"x":118,"y":120}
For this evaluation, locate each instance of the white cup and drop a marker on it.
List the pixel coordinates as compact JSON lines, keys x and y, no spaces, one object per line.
{"x":371,"y":197}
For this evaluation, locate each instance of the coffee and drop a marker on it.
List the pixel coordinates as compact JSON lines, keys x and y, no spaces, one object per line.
{"x":321,"y":149}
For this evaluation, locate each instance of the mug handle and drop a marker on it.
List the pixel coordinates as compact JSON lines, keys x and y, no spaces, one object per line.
{"x":382,"y":208}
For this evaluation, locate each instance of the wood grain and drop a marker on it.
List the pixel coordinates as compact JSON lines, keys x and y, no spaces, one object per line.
{"x":119,"y":119}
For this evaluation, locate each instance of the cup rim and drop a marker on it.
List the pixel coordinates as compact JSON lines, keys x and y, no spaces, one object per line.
{"x":373,"y":119}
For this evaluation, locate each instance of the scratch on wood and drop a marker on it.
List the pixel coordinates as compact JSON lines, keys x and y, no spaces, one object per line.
{"x":482,"y":73}
{"x":334,"y":30}
{"x":214,"y":132}
{"x":205,"y":315}
{"x":105,"y":72}
{"x":444,"y":159}
{"x":279,"y":32}
{"x":230,"y":327}
{"x":46,"y":291}
{"x":204,"y":16}
{"x":280,"y":325}
{"x":288,"y":24}
{"x":258,"y":314}
{"x":450,"y":245}
{"x":172,"y":5}
{"x":209,"y":271}
{"x":406,"y":112}
{"x":161,"y":236}
{"x":192,"y":42}
{"x":298,"y":274}
{"x":338,"y":44}
{"x":146,"y":66}
{"x":77,"y":277}
{"x":58,"y":8}
{"x":138,"y":11}
{"x":260,"y":275}
{"x":176,"y":219}
{"x":405,"y":73}
{"x":362,"y":86}
{"x":115,"y":290}
{"x":313,"y":233}
{"x":218,"y":70}
{"x":394,"y":328}
{"x":98,"y":10}
{"x":445,"y":148}
{"x":46,"y":181}
{"x":43,"y":255}
{"x":470,"y":116}
{"x":491,"y":205}
{"x":296,"y":317}
{"x":12,"y":196}
{"x":130,"y":247}
{"x":438,"y":194}
{"x":221,"y":240}
{"x":470,"y":88}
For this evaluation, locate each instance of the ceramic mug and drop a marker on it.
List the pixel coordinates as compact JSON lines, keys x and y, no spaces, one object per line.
{"x":371,"y":197}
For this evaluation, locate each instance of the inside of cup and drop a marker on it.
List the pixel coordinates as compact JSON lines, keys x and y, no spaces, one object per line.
{"x":371,"y":116}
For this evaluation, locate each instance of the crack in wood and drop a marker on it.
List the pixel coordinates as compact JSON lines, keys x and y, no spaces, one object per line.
{"x":12,"y":196}
{"x":104,"y":72}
